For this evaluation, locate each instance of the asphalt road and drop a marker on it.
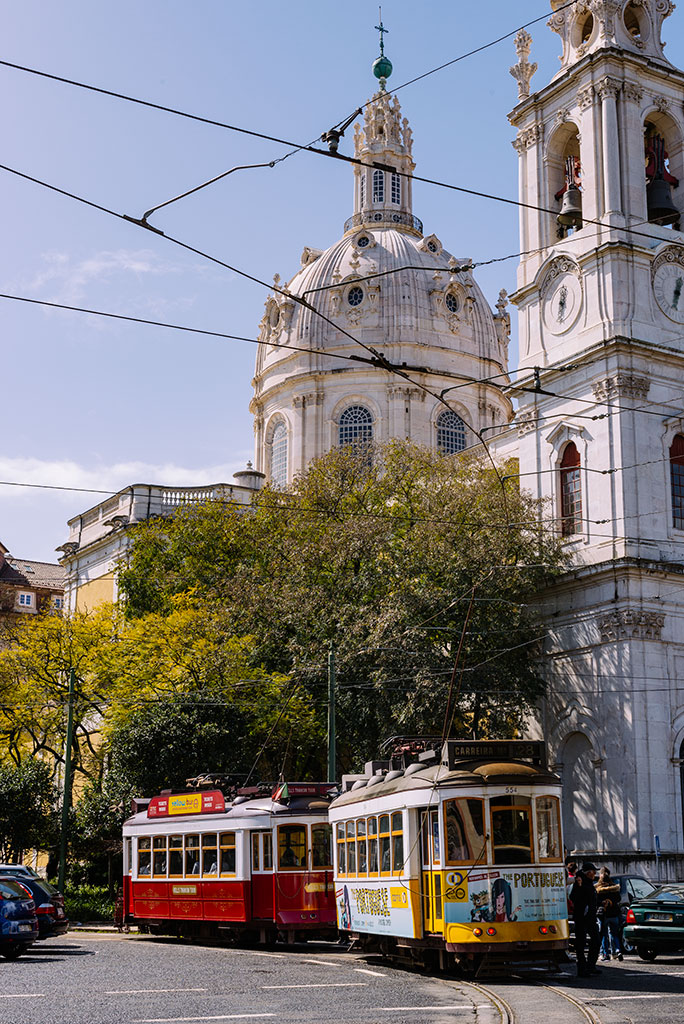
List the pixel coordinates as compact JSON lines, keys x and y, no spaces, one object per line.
{"x":111,"y":979}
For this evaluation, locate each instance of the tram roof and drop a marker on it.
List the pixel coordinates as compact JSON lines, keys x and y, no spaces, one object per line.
{"x":297,"y":807}
{"x":477,"y":772}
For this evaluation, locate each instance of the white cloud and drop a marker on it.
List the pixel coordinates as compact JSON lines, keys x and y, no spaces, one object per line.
{"x":109,"y":478}
{"x":64,"y":279}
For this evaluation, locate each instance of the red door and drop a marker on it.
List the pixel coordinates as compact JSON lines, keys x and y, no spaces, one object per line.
{"x":262,"y":874}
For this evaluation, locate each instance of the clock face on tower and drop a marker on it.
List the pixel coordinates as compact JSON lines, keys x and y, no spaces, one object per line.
{"x":668,"y":288}
{"x":562,"y":303}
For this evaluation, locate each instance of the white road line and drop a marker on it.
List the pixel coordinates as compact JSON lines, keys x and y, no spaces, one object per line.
{"x":392,"y":1009}
{"x":251,"y":952}
{"x":324,"y":963}
{"x":174,"y":1020}
{"x":637,"y":995}
{"x":364,"y":970}
{"x":23,"y":995}
{"x":142,"y":991}
{"x":324,"y":984}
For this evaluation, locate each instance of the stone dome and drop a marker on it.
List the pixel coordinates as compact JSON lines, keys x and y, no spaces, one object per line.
{"x":423,"y":311}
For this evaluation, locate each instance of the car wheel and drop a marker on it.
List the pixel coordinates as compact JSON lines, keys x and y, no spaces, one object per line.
{"x":627,"y":946}
{"x":647,"y":953}
{"x":13,"y":952}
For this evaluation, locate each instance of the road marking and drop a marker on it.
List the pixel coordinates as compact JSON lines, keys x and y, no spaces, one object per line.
{"x":637,"y":995}
{"x":23,"y":995}
{"x":324,"y":963}
{"x":324,"y":984}
{"x":364,"y":970}
{"x":174,"y":1020}
{"x":250,"y":952}
{"x":141,"y":991}
{"x":392,"y":1009}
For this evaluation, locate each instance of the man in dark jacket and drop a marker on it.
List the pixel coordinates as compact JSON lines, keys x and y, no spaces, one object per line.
{"x":583,"y":897}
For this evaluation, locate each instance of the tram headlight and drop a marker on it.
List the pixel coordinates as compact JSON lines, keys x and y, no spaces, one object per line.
{"x":553,"y":929}
{"x":477,"y":931}
{"x":491,"y":931}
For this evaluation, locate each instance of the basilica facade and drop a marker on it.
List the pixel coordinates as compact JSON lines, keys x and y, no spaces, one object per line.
{"x":599,"y":424}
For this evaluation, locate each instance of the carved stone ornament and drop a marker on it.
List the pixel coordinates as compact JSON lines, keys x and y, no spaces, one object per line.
{"x":661,"y":103}
{"x":630,"y":624}
{"x":526,"y":423}
{"x":502,"y":320}
{"x":560,"y":265}
{"x":528,"y":137}
{"x":452,"y":304}
{"x":672,"y":254}
{"x":523,"y":70}
{"x":585,"y":97}
{"x":625,"y":385}
{"x":367,"y":310}
{"x":310,"y":255}
{"x":633,"y":92}
{"x":608,"y":87}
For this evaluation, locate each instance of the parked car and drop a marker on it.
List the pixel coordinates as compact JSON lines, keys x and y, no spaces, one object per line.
{"x":656,"y":924}
{"x":632,"y":887}
{"x":18,"y":920}
{"x":49,"y":902}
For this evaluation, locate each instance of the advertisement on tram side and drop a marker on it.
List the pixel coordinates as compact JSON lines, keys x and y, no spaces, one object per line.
{"x":516,"y":894}
{"x":384,"y":908}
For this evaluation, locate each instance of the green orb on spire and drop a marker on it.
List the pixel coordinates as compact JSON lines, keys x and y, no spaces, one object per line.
{"x":382,"y":67}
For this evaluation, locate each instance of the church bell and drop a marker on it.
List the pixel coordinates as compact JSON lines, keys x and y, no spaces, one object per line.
{"x":570,"y":215}
{"x":661,"y":209}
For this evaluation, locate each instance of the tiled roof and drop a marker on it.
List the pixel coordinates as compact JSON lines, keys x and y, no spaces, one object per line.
{"x":23,"y":572}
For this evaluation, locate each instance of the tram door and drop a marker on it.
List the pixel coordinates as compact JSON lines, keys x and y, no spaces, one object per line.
{"x":431,"y":865}
{"x":261,"y":853}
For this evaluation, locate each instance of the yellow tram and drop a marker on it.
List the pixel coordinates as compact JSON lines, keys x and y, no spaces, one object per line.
{"x":453,"y":855}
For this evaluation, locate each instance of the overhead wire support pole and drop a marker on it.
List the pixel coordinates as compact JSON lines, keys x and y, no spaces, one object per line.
{"x":332,"y":739}
{"x":66,"y":795}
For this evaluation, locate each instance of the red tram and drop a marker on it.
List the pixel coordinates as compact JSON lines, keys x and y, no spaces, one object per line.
{"x":253,"y":864}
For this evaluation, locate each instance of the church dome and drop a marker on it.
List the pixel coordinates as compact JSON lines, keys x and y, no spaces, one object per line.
{"x":397,"y":291}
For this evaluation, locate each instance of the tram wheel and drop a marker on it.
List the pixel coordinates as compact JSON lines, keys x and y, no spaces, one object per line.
{"x":647,"y":953}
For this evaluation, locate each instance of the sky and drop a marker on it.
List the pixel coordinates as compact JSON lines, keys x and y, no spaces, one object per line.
{"x":96,"y":403}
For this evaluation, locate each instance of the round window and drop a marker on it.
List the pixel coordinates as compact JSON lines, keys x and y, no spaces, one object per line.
{"x":432,"y":246}
{"x":355,"y":296}
{"x":451,"y":302}
{"x":363,"y":241}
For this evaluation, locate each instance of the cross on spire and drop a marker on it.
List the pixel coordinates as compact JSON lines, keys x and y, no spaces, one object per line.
{"x":382,"y":30}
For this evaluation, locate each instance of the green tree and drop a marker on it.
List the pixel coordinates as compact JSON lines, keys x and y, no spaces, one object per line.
{"x":409,"y":562}
{"x":27,"y":816}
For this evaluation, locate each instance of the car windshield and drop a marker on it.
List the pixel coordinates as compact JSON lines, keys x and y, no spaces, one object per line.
{"x":19,"y":869}
{"x":9,"y":890}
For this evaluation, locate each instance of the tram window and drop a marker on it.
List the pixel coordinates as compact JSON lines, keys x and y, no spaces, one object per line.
{"x":321,"y":854}
{"x":144,"y":855}
{"x":437,"y":881}
{"x":361,"y":847}
{"x":176,"y":856}
{"x":292,"y":846}
{"x":192,"y":855}
{"x":128,"y":861}
{"x":227,"y":850}
{"x":397,"y":844}
{"x":268,"y":851}
{"x":385,"y":859}
{"x":209,"y":855}
{"x":341,"y":850}
{"x":464,"y":830}
{"x":373,"y":846}
{"x":255,"y":851}
{"x":548,"y":827}
{"x":159,"y":856}
{"x":511,"y":834}
{"x":434,"y":832}
{"x":351,"y":848}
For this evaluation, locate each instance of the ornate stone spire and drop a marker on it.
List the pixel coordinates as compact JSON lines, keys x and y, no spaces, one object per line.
{"x":523,"y":70}
{"x":592,"y":25}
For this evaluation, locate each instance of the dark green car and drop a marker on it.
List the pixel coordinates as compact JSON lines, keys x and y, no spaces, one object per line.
{"x":656,"y":924}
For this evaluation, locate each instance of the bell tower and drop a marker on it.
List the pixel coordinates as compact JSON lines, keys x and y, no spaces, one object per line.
{"x":600,"y":295}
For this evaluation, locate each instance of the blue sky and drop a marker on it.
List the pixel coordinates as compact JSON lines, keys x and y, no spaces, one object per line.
{"x":97,"y":403}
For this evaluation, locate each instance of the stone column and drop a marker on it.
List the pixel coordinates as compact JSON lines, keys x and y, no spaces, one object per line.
{"x":298,"y":436}
{"x":633,"y":154}
{"x":608,"y":89}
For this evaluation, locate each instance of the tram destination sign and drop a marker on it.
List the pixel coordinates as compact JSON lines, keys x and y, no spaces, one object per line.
{"x":497,"y":750}
{"x":210,"y":802}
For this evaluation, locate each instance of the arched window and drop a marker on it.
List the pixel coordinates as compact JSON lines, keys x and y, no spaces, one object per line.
{"x":677,"y":481}
{"x":356,"y":426}
{"x":450,"y":433}
{"x":570,"y":491}
{"x":363,"y":190}
{"x":279,"y":455}
{"x":396,"y":188}
{"x":378,"y":186}
{"x":681,"y":776}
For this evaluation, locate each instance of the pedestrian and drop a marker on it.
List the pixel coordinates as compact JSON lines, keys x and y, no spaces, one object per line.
{"x":608,"y":900}
{"x":583,"y":897}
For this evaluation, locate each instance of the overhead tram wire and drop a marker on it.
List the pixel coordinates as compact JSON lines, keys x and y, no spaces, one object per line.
{"x":380,"y":360}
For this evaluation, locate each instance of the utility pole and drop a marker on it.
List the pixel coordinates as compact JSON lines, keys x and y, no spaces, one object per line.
{"x":66,"y":796}
{"x":332,"y":768}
